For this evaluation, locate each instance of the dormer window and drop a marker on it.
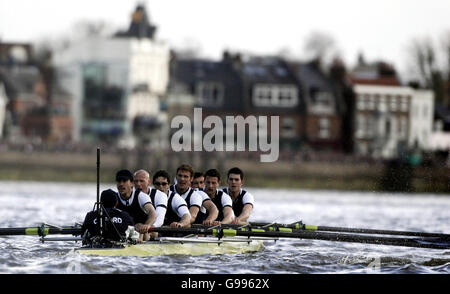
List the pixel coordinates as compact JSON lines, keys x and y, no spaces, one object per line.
{"x":210,"y":93}
{"x":275,"y":95}
{"x":322,"y":101}
{"x":323,"y":98}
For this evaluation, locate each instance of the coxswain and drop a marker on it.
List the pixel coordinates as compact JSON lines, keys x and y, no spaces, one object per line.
{"x":243,"y":201}
{"x":178,"y":215}
{"x":202,"y":209}
{"x":115,"y":221}
{"x":221,"y":199}
{"x":137,"y":203}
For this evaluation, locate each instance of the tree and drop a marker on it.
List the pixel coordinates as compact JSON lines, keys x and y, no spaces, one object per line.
{"x":321,"y":47}
{"x":425,"y":62}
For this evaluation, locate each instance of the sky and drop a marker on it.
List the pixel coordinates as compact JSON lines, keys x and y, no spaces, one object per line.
{"x":381,"y":30}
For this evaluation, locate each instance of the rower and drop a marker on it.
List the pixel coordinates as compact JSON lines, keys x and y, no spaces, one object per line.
{"x":142,"y":181}
{"x":198,"y":182}
{"x":135,"y":202}
{"x":202,"y":209}
{"x":178,"y":215}
{"x":243,"y":201}
{"x":221,"y":199}
{"x":116,"y":221}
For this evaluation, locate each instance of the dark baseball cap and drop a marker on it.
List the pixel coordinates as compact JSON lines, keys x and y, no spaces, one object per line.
{"x":108,"y":198}
{"x":124,"y":174}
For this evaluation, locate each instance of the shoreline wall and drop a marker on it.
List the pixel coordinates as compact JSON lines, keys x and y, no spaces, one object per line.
{"x":329,"y":175}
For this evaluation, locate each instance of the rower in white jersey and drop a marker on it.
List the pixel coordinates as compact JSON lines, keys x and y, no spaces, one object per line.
{"x":202,"y":209}
{"x":221,"y":199}
{"x":177,"y":215}
{"x":243,"y":201}
{"x":159,"y":199}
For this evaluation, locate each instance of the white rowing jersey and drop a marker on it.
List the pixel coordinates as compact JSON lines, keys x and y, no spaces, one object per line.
{"x":204,"y":198}
{"x":159,"y":201}
{"x":191,"y":196}
{"x":242,"y":199}
{"x":177,"y":207}
{"x":221,"y":200}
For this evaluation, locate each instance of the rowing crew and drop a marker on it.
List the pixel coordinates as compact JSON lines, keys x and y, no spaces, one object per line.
{"x":195,"y":198}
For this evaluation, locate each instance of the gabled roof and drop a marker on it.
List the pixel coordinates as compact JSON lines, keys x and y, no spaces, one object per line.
{"x":236,"y":76}
{"x":189,"y":71}
{"x":377,"y":73}
{"x":311,"y":77}
{"x":266,"y":70}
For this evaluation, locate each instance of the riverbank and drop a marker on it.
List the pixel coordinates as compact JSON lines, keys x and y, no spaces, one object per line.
{"x":350,"y":176}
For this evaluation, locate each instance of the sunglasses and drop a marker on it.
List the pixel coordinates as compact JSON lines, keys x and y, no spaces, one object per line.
{"x":160,"y":184}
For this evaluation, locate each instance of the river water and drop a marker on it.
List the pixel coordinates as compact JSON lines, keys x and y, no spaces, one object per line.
{"x":32,"y":203}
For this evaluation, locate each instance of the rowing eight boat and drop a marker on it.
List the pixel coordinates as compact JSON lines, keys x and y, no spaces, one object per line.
{"x":182,"y":246}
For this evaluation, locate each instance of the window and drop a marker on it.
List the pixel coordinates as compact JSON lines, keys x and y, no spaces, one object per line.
{"x":370,"y":101}
{"x":324,"y":128}
{"x":275,"y":95}
{"x":360,"y":126}
{"x":263,"y":95}
{"x":404,"y":103}
{"x":382,"y":106}
{"x":323,"y":98}
{"x":370,"y":127}
{"x":392,"y":102}
{"x":402,"y":130}
{"x":142,"y":87}
{"x":387,"y":128}
{"x":288,"y":127}
{"x":361,"y":105}
{"x":286,"y":95}
{"x":210,"y":93}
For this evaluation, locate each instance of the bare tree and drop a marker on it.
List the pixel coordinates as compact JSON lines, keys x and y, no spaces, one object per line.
{"x":319,"y":46}
{"x":446,"y":53}
{"x":423,"y":57}
{"x":427,"y":68}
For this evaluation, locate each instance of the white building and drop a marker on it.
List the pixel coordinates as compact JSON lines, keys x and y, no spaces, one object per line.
{"x":390,"y":118}
{"x":421,"y":119}
{"x":115,"y":80}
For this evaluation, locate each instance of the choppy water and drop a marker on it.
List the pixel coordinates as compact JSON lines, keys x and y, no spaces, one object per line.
{"x":31,"y":203}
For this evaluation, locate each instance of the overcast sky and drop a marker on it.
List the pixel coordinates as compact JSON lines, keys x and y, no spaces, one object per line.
{"x":380,"y":29}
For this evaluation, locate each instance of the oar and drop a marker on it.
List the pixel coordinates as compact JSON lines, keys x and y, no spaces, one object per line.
{"x":300,"y":226}
{"x":40,"y":231}
{"x":252,"y":232}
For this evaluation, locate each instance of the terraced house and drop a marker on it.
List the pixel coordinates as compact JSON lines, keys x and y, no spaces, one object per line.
{"x":390,"y":118}
{"x":304,"y":99}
